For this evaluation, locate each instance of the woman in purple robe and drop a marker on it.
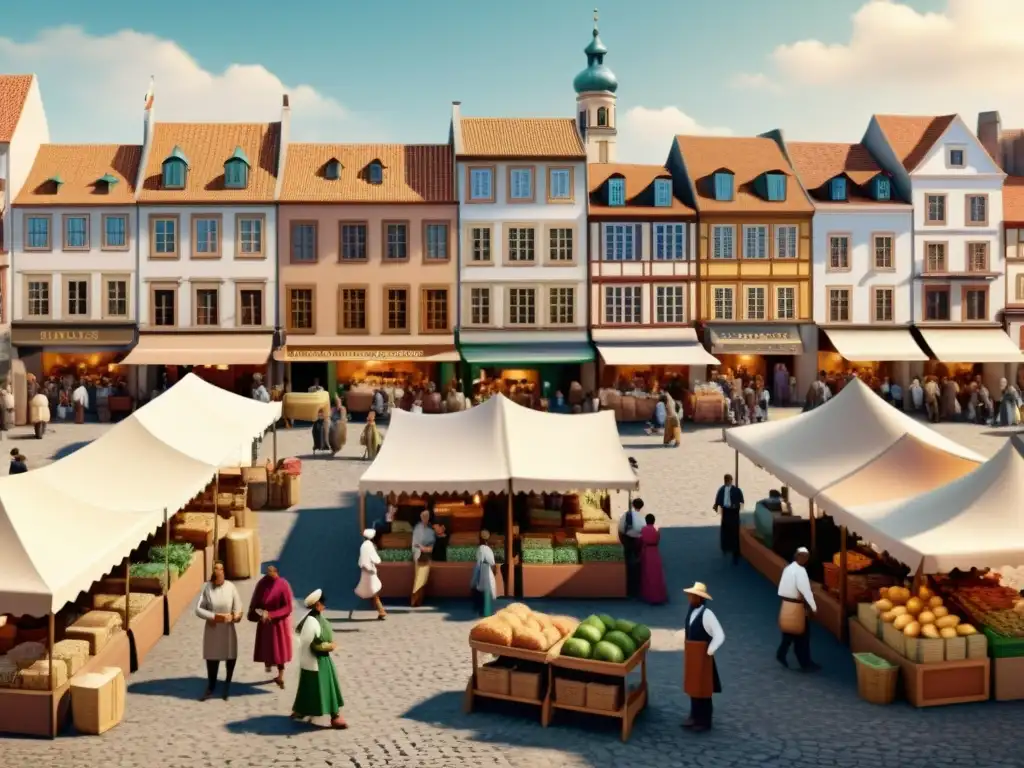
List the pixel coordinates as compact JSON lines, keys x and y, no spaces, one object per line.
{"x":271,"y":609}
{"x":653,"y":589}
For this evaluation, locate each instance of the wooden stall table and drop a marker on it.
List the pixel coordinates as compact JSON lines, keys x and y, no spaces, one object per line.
{"x":586,"y":580}
{"x":1008,"y":678}
{"x":829,"y":614}
{"x":184,"y":590}
{"x":395,"y":580}
{"x":453,"y":580}
{"x":146,"y":629}
{"x":473,"y":689}
{"x":929,"y":685}
{"x":633,"y":701}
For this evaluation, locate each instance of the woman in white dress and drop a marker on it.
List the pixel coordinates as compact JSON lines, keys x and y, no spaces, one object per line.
{"x":369,"y":585}
{"x":221,"y":608}
{"x":484,"y":584}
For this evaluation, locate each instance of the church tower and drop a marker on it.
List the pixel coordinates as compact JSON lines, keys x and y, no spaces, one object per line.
{"x":595,"y":103}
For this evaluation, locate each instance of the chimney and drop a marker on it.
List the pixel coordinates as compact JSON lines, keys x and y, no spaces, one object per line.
{"x":989,"y":134}
{"x":455,"y":132}
{"x":284,"y":136}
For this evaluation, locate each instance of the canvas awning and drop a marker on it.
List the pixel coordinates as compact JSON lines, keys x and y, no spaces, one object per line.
{"x":971,"y":345}
{"x":648,"y":346}
{"x":201,"y":349}
{"x":876,"y":346}
{"x":513,"y":355}
{"x":755,"y":339}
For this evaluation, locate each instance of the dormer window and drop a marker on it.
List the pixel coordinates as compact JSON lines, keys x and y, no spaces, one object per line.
{"x":837,"y":189}
{"x":332,"y":171}
{"x":236,"y":170}
{"x":775,"y":187}
{"x":723,"y":181}
{"x":663,"y":193}
{"x":175,"y":170}
{"x":883,"y":188}
{"x":616,"y":192}
{"x":376,"y":172}
{"x":55,"y":182}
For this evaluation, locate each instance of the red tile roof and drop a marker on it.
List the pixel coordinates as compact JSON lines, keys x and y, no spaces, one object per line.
{"x":639,"y":191}
{"x":817,"y":163}
{"x":517,"y":137}
{"x":911,"y":137}
{"x":80,"y":166}
{"x":13,"y":92}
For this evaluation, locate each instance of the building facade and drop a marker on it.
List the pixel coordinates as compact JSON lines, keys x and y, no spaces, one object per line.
{"x":1013,"y":238}
{"x":522,"y":192}
{"x":753,"y":251}
{"x":75,"y":293}
{"x":862,"y":254}
{"x":643,"y":277}
{"x":368,"y":266}
{"x":207,"y":261}
{"x":959,"y":269}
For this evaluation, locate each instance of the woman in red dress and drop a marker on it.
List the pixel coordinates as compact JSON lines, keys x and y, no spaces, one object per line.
{"x":652,"y":575}
{"x":271,"y":608}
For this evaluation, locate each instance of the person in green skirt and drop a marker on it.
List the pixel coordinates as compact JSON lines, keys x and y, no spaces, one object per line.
{"x":319,"y":693}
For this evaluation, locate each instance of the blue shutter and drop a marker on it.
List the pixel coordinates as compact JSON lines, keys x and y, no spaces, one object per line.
{"x":838,"y":188}
{"x":662,"y":193}
{"x":174,"y":174}
{"x":883,"y":190}
{"x":723,"y":186}
{"x":776,"y":187}
{"x":616,"y":192}
{"x":235,"y":174}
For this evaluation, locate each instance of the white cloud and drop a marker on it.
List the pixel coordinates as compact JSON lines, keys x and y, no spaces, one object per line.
{"x":645,"y":135}
{"x":93,"y":87}
{"x":754,"y":82}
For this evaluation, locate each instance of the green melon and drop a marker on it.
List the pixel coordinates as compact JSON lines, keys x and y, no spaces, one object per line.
{"x":595,"y":621}
{"x":607,"y":620}
{"x":577,"y":647}
{"x":605,"y":651}
{"x":623,"y":641}
{"x":625,"y":626}
{"x":641,"y":634}
{"x":588,"y":632}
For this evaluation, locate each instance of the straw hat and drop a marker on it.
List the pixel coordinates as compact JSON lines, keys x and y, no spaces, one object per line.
{"x":699,"y":589}
{"x":369,"y":533}
{"x":313,"y":597}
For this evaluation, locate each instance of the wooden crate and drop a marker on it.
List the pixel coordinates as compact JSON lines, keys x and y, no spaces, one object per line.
{"x":604,"y":697}
{"x":525,"y":685}
{"x":570,"y":693}
{"x":1008,"y":679}
{"x":494,"y":679}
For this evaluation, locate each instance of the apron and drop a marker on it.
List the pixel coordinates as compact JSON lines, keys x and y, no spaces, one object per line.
{"x":422,"y":572}
{"x":700,"y":672}
{"x":792,"y":616}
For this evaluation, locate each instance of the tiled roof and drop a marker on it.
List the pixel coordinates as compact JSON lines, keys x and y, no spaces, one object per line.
{"x":520,"y":137}
{"x":207,"y":146}
{"x":912,"y":136}
{"x":13,"y":92}
{"x":412,"y":173}
{"x":80,"y":166}
{"x":1013,"y":200}
{"x":748,"y":159}
{"x":639,"y":191}
{"x":817,"y":163}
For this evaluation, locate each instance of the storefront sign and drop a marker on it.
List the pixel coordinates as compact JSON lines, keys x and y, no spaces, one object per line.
{"x":757,"y":341}
{"x":42,"y":336}
{"x":346,"y":353}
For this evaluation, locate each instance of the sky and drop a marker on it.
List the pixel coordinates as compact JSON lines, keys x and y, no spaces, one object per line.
{"x":388,"y":71}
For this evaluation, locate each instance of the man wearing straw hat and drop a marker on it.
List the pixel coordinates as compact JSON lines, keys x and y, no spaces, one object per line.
{"x":369,"y":585}
{"x":704,"y":636}
{"x":318,"y":693}
{"x":795,"y":591}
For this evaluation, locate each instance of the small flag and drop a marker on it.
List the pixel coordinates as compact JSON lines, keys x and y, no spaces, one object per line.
{"x":149,"y":95}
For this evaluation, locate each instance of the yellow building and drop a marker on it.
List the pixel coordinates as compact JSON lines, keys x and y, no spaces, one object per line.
{"x":753,"y":298}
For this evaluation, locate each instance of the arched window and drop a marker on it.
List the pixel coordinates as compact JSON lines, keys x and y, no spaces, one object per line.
{"x":333,"y":170}
{"x":602,"y":116}
{"x":376,"y":172}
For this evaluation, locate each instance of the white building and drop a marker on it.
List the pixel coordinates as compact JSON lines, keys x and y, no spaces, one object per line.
{"x":595,"y":103}
{"x":862,"y":261}
{"x":959,"y":269}
{"x":522,"y":192}
{"x":207,"y":249}
{"x":74,"y":256}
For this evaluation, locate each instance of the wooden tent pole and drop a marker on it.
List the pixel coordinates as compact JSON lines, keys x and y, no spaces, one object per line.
{"x":216,"y":527}
{"x":274,"y":432}
{"x":736,"y":470}
{"x":127,"y":590}
{"x":53,"y":687}
{"x":918,"y":579}
{"x":842,"y":583}
{"x":362,"y":511}
{"x":510,"y":583}
{"x":167,"y":552}
{"x":814,"y":533}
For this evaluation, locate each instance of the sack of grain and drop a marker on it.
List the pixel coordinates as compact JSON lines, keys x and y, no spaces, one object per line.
{"x":137,"y":602}
{"x":8,"y":672}
{"x":27,"y":654}
{"x":37,"y":676}
{"x":74,"y":654}
{"x":109,"y":620}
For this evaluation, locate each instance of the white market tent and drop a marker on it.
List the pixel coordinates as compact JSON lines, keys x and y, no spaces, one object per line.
{"x":65,"y":525}
{"x":821,"y":447}
{"x":976,"y":521}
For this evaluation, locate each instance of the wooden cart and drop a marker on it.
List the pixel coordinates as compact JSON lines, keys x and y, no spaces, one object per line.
{"x":633,"y":701}
{"x":501,"y":651}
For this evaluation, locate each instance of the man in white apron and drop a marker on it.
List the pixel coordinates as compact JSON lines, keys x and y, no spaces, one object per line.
{"x":796,"y":595}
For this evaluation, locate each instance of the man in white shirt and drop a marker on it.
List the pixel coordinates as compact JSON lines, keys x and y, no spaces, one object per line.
{"x":631,"y":525}
{"x":80,"y":399}
{"x":704,"y":636}
{"x":795,"y":591}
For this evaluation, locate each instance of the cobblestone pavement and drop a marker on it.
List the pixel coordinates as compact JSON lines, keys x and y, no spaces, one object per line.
{"x":403,"y":679}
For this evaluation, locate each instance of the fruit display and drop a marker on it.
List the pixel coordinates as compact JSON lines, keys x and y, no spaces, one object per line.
{"x":920,"y":615}
{"x":603,"y":638}
{"x":517,"y":626}
{"x":989,"y":604}
{"x":855,"y":561}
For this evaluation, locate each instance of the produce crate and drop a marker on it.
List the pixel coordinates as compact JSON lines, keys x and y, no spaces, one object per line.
{"x":491,"y":678}
{"x":572,"y":693}
{"x":977,"y":646}
{"x":895,"y":639}
{"x":859,"y":587}
{"x":924,"y":650}
{"x":604,"y":697}
{"x":1003,"y":647}
{"x":956,"y":648}
{"x":1008,"y":679}
{"x":869,"y":618}
{"x":525,"y":685}
{"x":876,"y":678}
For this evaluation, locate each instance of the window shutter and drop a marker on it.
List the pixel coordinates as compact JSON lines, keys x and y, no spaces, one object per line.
{"x":637,"y":241}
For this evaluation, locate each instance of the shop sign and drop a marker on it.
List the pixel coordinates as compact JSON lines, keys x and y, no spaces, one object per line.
{"x":756,"y":342}
{"x":341,"y":353}
{"x":93,"y":337}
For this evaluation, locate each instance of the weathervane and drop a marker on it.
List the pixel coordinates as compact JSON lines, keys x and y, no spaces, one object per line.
{"x":595,"y":19}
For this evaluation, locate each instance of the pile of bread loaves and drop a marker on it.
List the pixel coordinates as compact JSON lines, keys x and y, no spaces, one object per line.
{"x":922,"y":615}
{"x":518,"y":626}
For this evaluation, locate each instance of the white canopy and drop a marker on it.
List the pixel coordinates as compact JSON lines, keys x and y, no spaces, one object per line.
{"x":814,"y":450}
{"x":488,"y":447}
{"x":974,"y":522}
{"x":972,"y":345}
{"x":875,"y":345}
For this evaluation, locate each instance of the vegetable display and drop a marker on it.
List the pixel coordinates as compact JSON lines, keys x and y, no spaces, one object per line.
{"x":604,"y":638}
{"x":179,"y":554}
{"x":395,"y":555}
{"x":602,"y":553}
{"x":923,"y":615}
{"x":539,"y":556}
{"x":566,"y":555}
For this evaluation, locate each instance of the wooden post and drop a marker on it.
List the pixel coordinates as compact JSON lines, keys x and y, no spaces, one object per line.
{"x":167,"y":554}
{"x":842,"y":584}
{"x":53,"y":706}
{"x":274,"y":432}
{"x":814,"y":532}
{"x":736,"y":470}
{"x":127,"y":590}
{"x":216,"y":493}
{"x":362,"y":511}
{"x":918,"y":579}
{"x":510,"y":585}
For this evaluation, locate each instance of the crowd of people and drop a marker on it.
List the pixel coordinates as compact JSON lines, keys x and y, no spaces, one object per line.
{"x":747,"y":397}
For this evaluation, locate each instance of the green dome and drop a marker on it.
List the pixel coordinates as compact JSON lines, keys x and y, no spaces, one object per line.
{"x":596,"y":77}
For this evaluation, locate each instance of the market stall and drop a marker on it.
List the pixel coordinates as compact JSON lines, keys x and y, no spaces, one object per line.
{"x":560,"y":663}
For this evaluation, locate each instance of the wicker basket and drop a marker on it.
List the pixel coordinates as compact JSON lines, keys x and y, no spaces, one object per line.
{"x":876,"y":678}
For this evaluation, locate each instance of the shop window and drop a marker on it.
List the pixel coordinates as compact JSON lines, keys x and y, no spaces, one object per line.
{"x":723,"y":238}
{"x":839,"y":305}
{"x":435,"y":237}
{"x":250,"y":307}
{"x":936,"y":303}
{"x":560,"y":245}
{"x":935,"y":209}
{"x":621,"y":242}
{"x":935,"y":257}
{"x":77,"y":297}
{"x":669,"y":242}
{"x":522,"y":306}
{"x":250,"y":236}
{"x":883,"y":309}
{"x":755,"y":241}
{"x":839,"y":253}
{"x":38,"y":294}
{"x":207,"y":307}
{"x":562,"y":306}
{"x":480,"y":245}
{"x":975,"y":303}
{"x":520,"y":184}
{"x":434,"y":307}
{"x":670,"y":304}
{"x":883,"y":252}
{"x":785,"y":303}
{"x":117,"y":297}
{"x":76,"y":233}
{"x":303,"y":242}
{"x":977,"y":210}
{"x":623,"y":304}
{"x":662,"y":193}
{"x":481,"y":185}
{"x":353,"y":242}
{"x":205,"y":237}
{"x":757,"y":302}
{"x":37,"y":233}
{"x":786,"y":238}
{"x":165,"y":307}
{"x":352,"y":306}
{"x":396,"y":303}
{"x":977,"y":257}
{"x":115,"y":231}
{"x":396,"y":241}
{"x":479,"y":306}
{"x":163,"y":237}
{"x":300,"y":309}
{"x":560,"y":184}
{"x":722,"y":303}
{"x":522,"y":245}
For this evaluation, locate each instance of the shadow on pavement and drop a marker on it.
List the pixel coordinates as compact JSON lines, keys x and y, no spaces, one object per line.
{"x":67,"y":450}
{"x":191,"y":688}
{"x":268,"y":725}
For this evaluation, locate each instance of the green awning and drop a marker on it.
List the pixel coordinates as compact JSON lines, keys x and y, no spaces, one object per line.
{"x":513,"y":355}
